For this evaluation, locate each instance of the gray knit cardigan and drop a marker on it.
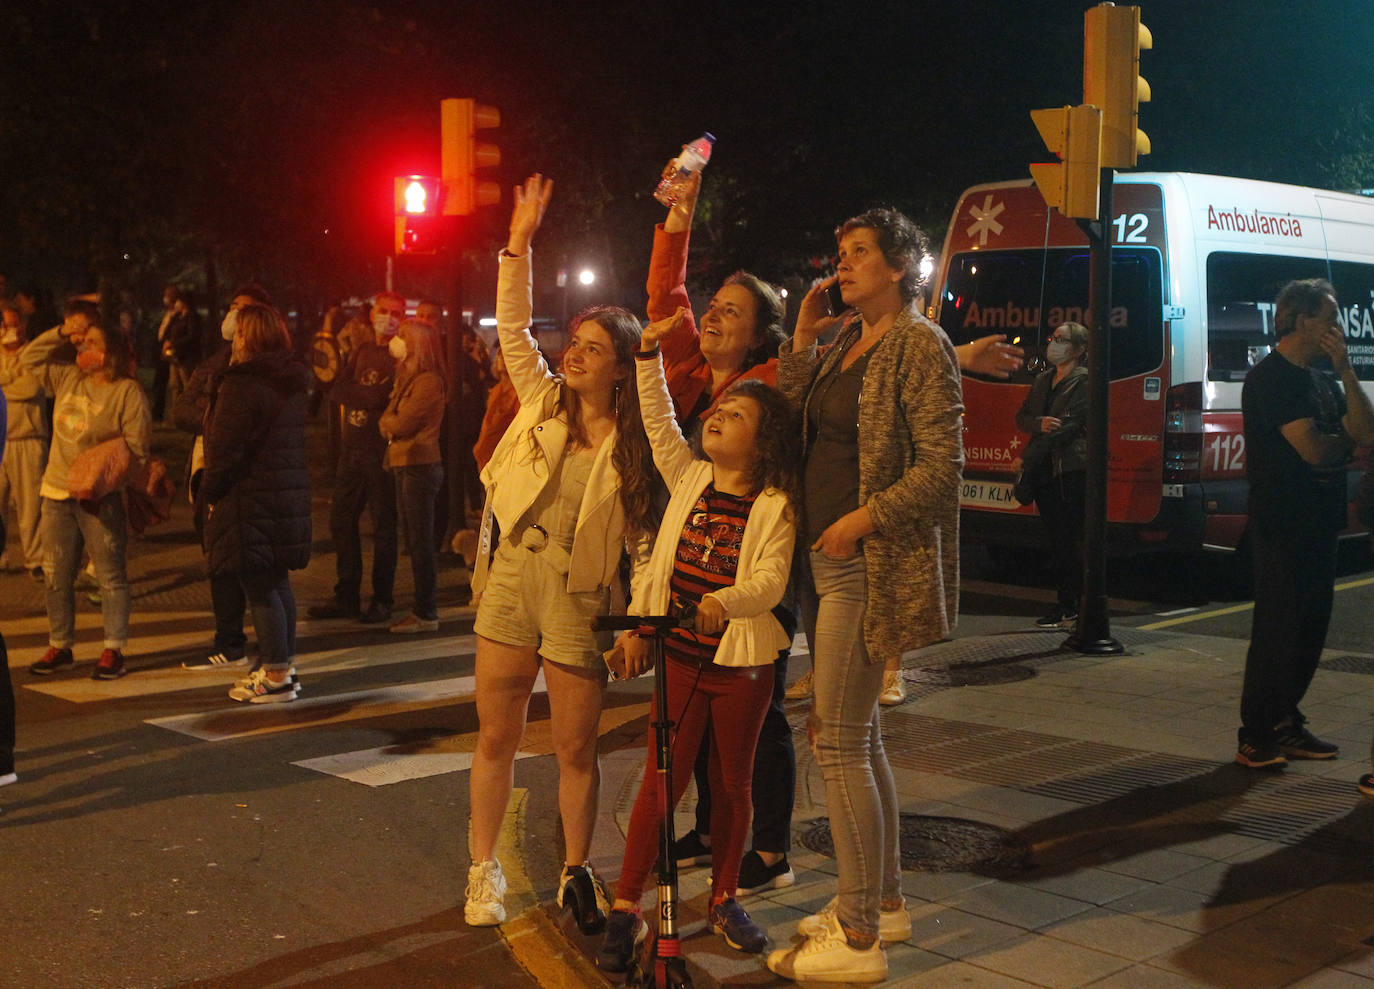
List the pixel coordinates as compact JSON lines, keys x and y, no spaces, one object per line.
{"x":911,"y":461}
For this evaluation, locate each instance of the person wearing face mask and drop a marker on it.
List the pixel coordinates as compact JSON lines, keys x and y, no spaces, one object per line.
{"x":227,"y":600}
{"x":411,"y":426}
{"x":26,"y":442}
{"x":1055,"y":460}
{"x":98,"y":399}
{"x":362,"y":389}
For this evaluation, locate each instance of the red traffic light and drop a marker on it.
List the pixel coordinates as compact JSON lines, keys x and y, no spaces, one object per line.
{"x":418,"y":195}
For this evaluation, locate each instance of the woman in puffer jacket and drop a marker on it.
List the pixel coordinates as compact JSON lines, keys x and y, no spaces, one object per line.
{"x":257,"y":491}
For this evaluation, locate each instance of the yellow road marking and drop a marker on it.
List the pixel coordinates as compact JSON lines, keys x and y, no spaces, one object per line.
{"x":1237,"y":608}
{"x":534,"y":940}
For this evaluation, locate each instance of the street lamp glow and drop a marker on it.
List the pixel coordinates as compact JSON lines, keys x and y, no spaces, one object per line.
{"x":586,"y":276}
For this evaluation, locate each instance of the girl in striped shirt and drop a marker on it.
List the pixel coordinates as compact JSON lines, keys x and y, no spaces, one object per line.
{"x":724,"y":550}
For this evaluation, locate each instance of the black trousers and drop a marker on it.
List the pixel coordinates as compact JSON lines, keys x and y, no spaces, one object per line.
{"x":1060,"y":503}
{"x":228,"y":601}
{"x":775,"y":769}
{"x":1295,"y":573}
{"x":360,"y":481}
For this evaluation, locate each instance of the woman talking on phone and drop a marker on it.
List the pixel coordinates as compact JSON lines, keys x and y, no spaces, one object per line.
{"x":882,"y":410}
{"x":570,"y":482}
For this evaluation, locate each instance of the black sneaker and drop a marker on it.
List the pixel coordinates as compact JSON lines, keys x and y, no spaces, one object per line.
{"x":729,"y":919}
{"x":691,"y":850}
{"x":1366,"y":784}
{"x":625,"y":932}
{"x":376,"y":614}
{"x":1053,"y":620}
{"x":1296,"y":742}
{"x":53,"y":660}
{"x":1265,"y":755}
{"x":755,"y":876}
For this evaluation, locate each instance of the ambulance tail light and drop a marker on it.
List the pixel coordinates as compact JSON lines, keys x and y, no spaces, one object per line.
{"x":1183,"y":434}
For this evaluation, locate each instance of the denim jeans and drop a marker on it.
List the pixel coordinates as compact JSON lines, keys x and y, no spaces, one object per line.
{"x":66,"y":529}
{"x":274,"y":615}
{"x":417,"y":487}
{"x":859,"y":790}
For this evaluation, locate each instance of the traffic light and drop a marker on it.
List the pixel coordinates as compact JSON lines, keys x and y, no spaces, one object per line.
{"x":1070,"y":184}
{"x":418,"y":200}
{"x":461,"y":155}
{"x":1112,"y":41}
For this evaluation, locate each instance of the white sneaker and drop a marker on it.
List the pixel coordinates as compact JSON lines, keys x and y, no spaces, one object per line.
{"x":261,"y":689}
{"x":894,"y":688}
{"x":486,"y":889}
{"x":802,"y":688}
{"x":894,"y":926}
{"x":827,"y":957}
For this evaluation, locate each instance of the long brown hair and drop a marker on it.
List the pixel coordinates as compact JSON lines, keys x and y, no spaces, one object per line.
{"x":632,"y":457}
{"x":429,"y":352}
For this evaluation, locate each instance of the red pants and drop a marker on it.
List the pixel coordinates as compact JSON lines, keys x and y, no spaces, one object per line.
{"x":736,"y":701}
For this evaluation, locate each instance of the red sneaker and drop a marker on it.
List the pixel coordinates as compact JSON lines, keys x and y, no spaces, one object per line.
{"x":110,"y":666}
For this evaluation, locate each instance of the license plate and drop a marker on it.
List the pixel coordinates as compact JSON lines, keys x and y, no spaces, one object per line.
{"x":987,"y":494}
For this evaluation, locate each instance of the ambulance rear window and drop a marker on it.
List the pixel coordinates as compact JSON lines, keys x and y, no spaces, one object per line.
{"x":1000,"y":292}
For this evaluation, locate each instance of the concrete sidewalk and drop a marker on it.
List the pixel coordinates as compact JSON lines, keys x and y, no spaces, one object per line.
{"x":1077,"y":821}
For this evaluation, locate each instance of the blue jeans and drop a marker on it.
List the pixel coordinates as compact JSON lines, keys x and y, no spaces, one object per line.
{"x":417,"y":486}
{"x":859,"y":790}
{"x":66,"y":528}
{"x":274,"y":615}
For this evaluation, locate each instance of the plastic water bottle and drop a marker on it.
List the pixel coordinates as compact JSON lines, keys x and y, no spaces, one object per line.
{"x":692,"y":160}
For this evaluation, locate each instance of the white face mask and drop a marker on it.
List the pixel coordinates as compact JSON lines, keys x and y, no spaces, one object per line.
{"x":229,"y":324}
{"x":385,"y":324}
{"x":1058,"y":351}
{"x":397,"y":348}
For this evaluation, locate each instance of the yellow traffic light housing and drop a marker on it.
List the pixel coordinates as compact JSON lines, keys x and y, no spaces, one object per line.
{"x":1070,"y":184}
{"x":461,"y":155}
{"x":1113,"y":38}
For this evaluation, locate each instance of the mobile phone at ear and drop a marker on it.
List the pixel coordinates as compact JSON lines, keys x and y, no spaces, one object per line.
{"x":834,"y":302}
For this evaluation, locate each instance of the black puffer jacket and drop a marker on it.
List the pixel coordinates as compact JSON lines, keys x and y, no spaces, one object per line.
{"x":256,"y":484}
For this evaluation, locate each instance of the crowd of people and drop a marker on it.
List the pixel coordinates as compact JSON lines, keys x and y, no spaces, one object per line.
{"x":717,"y":470}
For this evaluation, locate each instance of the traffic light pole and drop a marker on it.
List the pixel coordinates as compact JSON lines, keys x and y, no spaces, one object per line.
{"x":1093,"y":634}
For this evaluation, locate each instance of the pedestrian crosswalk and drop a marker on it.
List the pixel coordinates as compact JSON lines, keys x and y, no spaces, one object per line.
{"x":330,"y":695}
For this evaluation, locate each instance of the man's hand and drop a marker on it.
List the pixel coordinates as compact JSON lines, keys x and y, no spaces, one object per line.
{"x":531,"y":200}
{"x":1333,"y":343}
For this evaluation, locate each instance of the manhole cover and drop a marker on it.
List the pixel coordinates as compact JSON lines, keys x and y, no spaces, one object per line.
{"x":1349,"y":664}
{"x":941,"y":844}
{"x":971,"y":674}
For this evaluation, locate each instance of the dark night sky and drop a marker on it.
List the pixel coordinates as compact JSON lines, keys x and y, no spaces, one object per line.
{"x":172,"y":132}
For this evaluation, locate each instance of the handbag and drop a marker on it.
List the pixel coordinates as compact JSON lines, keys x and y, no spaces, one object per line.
{"x":99,"y":470}
{"x":1035,"y":470}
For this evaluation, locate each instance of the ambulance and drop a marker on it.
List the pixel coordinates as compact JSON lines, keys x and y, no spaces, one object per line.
{"x":1197,"y":261}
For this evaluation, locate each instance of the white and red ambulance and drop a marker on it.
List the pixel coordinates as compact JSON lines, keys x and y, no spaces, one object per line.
{"x":1197,"y":261}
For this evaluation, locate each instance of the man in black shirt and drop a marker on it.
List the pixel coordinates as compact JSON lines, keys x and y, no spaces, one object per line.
{"x":1299,"y":436}
{"x":362,"y":388}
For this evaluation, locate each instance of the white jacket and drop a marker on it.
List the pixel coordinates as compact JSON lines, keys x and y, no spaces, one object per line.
{"x":752,"y":636}
{"x":533,"y":445}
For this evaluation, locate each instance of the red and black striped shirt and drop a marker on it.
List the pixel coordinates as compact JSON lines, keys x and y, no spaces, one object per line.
{"x":707,"y":558}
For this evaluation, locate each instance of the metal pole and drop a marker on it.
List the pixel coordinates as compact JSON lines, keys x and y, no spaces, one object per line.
{"x":1093,"y":634}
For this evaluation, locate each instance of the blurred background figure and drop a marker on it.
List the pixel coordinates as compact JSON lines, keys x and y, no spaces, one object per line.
{"x":26,"y":446}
